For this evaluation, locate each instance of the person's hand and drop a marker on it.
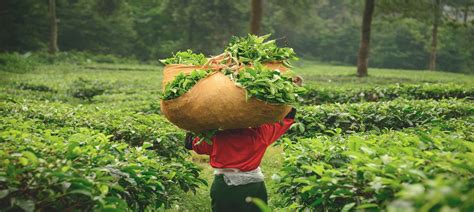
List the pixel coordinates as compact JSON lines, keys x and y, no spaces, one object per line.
{"x":188,"y":141}
{"x":298,"y":80}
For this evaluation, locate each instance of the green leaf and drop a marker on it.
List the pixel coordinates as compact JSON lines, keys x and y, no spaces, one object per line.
{"x":348,"y":207}
{"x":82,"y":192}
{"x":364,"y":206}
{"x":3,"y":193}
{"x":259,"y":203}
{"x":27,"y":205}
{"x":104,"y":189}
{"x":31,"y":157}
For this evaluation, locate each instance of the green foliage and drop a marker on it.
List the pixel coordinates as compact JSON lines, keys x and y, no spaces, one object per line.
{"x":320,"y":95}
{"x":87,"y":89}
{"x":182,"y":83}
{"x":79,"y":58}
{"x":363,"y":117}
{"x":122,"y":124}
{"x":205,"y":136}
{"x":14,"y":62}
{"x":58,"y":156}
{"x":122,"y":129}
{"x":416,"y":171}
{"x":54,"y":170}
{"x":253,"y":49}
{"x":324,"y":30}
{"x":267,"y":85}
{"x":187,"y":57}
{"x":34,"y":87}
{"x":259,"y":82}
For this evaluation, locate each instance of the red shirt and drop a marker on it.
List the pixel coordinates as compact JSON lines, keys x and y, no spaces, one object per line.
{"x":242,"y":149}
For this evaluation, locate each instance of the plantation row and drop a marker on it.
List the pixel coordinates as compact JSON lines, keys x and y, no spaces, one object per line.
{"x":320,"y":95}
{"x":56,"y":156}
{"x":88,"y":89}
{"x":136,"y":128}
{"x":118,"y":153}
{"x":415,"y":170}
{"x":126,"y":126}
{"x":375,"y":116}
{"x":61,"y":170}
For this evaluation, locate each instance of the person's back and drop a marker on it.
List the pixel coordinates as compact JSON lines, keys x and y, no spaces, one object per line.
{"x":236,"y":155}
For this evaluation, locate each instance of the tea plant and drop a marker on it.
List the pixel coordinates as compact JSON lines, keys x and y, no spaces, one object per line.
{"x":14,"y":62}
{"x":126,"y":126}
{"x":58,"y":170}
{"x":420,"y":171}
{"x":320,"y":95}
{"x":34,"y":87}
{"x":363,"y":117}
{"x":87,"y":89}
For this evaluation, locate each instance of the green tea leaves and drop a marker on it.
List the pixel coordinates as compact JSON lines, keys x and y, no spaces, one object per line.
{"x":187,"y":58}
{"x":253,"y":49}
{"x":182,"y":83}
{"x":268,"y":85}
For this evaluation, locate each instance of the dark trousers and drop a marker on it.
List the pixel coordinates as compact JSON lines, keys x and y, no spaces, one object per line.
{"x":232,"y":198}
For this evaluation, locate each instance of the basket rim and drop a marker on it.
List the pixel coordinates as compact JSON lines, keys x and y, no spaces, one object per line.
{"x":239,"y":87}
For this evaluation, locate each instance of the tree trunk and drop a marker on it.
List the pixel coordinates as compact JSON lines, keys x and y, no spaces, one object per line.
{"x":363,"y":56}
{"x":53,"y":25}
{"x":256,"y":17}
{"x":434,"y":36}
{"x":466,"y":12}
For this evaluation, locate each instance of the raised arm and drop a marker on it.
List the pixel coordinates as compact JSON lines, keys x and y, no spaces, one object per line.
{"x":202,"y":148}
{"x":271,"y":132}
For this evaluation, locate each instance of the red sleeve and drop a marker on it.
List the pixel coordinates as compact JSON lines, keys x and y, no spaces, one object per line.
{"x":271,"y":132}
{"x":203,"y":148}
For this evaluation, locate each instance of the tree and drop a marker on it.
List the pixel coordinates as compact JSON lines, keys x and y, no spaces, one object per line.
{"x":363,"y":56}
{"x":256,"y":17}
{"x":434,"y":13}
{"x":434,"y":34}
{"x":53,"y":27}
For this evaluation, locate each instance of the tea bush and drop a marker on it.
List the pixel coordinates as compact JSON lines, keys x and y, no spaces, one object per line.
{"x":51,"y":170}
{"x":321,"y":95}
{"x":427,"y":171}
{"x":34,"y":87}
{"x":87,"y":89}
{"x":15,"y":62}
{"x":375,"y":116}
{"x":127,"y":126}
{"x":57,"y":156}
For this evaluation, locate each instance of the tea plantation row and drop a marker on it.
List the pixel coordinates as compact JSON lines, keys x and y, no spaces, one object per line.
{"x":56,"y":156}
{"x":102,"y":145}
{"x":57,"y":170}
{"x":375,"y":116}
{"x":136,"y":128}
{"x":320,"y":95}
{"x":88,"y":89}
{"x":413,"y":170}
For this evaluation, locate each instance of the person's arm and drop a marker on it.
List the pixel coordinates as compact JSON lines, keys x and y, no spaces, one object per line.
{"x":271,"y":132}
{"x":202,"y":148}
